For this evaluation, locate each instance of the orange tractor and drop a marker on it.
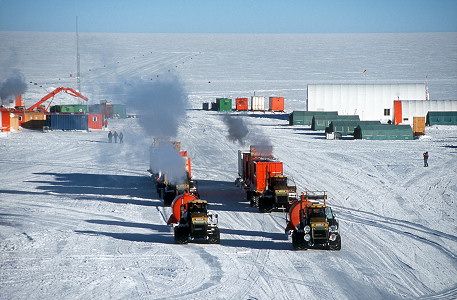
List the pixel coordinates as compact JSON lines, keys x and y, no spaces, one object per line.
{"x":313,"y":223}
{"x":193,"y":221}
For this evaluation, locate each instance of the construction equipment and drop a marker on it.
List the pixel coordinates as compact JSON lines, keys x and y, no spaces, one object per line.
{"x":313,"y":223}
{"x":70,"y":91}
{"x":193,"y":220}
{"x":261,"y":175}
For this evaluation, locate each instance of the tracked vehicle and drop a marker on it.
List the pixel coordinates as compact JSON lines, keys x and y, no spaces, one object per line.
{"x":193,"y":221}
{"x":313,"y":223}
{"x":261,"y":176}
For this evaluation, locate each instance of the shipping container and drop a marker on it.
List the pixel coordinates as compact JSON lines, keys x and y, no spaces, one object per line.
{"x":95,"y":121}
{"x":8,"y":121}
{"x":298,"y":117}
{"x":74,"y":108}
{"x":205,"y":106}
{"x":242,"y":104}
{"x":384,"y":132}
{"x":320,"y":122}
{"x":418,"y":126}
{"x":261,"y":171}
{"x":224,"y":104}
{"x":67,"y":122}
{"x":257,"y":103}
{"x":276,"y":103}
{"x":442,"y":118}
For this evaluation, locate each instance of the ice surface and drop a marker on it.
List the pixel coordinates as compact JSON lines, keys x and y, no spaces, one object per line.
{"x":79,"y":218}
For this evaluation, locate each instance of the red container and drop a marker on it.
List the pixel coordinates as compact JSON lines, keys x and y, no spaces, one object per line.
{"x":242,"y":104}
{"x":261,"y":171}
{"x":276,"y":103}
{"x":95,"y":121}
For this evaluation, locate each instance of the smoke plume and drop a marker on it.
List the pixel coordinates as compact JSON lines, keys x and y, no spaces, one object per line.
{"x":160,"y":104}
{"x":238,"y":132}
{"x":12,"y":86}
{"x":237,"y":128}
{"x":166,"y":159}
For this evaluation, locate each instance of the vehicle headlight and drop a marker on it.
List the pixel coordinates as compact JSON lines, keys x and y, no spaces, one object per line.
{"x":307,"y":237}
{"x":332,"y":237}
{"x":333,"y":228}
{"x":307,"y":229}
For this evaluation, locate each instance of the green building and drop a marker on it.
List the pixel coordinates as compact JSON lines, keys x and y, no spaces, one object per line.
{"x":383,"y":132}
{"x":441,"y":118}
{"x":320,"y":122}
{"x":346,"y":127}
{"x":298,"y":117}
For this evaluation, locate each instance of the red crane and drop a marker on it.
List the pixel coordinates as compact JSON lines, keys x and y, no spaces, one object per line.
{"x":69,"y":91}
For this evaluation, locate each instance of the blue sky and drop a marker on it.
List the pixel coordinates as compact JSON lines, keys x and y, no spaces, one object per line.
{"x":230,"y":16}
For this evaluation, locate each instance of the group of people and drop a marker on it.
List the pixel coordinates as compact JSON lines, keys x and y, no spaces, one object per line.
{"x":115,"y":135}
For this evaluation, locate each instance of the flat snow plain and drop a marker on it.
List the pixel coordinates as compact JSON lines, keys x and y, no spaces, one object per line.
{"x":80,"y":219}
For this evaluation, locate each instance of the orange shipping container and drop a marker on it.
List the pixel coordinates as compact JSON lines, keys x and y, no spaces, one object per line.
{"x":418,"y":126}
{"x":242,"y":104}
{"x":95,"y":121}
{"x":261,"y":171}
{"x":276,"y":103}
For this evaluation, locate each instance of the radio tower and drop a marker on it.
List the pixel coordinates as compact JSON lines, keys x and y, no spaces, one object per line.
{"x":78,"y":68}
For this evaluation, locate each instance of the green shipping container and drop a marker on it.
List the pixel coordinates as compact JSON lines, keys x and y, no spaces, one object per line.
{"x":298,"y":117}
{"x":347,"y":127}
{"x":224,"y":104}
{"x":320,"y":122}
{"x":74,"y":108}
{"x":383,"y":132}
{"x":442,"y":118}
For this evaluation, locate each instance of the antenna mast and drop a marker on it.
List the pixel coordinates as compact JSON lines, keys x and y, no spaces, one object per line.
{"x":78,"y":67}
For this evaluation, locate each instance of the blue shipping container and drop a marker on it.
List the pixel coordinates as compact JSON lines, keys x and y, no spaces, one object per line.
{"x":67,"y":122}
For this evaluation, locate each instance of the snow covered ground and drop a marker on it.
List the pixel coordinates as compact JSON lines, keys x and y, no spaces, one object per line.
{"x":80,"y":219}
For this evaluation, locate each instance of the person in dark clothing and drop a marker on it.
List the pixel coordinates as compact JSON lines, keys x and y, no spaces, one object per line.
{"x":110,"y":136}
{"x":425,"y":159}
{"x":115,"y":136}
{"x":121,"y":138}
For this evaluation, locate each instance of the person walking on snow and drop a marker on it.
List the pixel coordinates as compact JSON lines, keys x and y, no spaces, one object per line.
{"x":425,"y":159}
{"x":115,"y":136}
{"x":110,"y":136}
{"x":121,"y":137}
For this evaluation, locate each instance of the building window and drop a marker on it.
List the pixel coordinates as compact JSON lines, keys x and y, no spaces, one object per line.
{"x":94,"y":119}
{"x":387,"y":112}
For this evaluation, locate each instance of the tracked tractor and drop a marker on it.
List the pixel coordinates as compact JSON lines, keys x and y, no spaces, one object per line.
{"x":313,"y":223}
{"x":278,"y":194}
{"x":193,"y":221}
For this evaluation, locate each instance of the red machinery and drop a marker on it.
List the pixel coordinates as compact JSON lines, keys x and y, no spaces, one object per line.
{"x":69,"y":91}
